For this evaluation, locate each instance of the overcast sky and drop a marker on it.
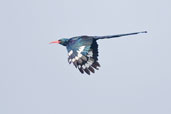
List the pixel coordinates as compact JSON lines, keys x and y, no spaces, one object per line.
{"x":135,"y":73}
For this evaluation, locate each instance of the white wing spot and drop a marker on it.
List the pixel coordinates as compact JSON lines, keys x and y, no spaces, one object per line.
{"x":79,"y":55}
{"x":90,"y":62}
{"x":81,"y":49}
{"x":83,"y":66}
{"x":90,"y":54}
{"x":70,"y":52}
{"x":73,"y":59}
{"x":76,"y":58}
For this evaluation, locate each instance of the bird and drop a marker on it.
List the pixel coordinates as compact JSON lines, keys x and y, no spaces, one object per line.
{"x":83,"y":50}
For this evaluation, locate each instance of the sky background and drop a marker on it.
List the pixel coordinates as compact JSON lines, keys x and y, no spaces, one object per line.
{"x":135,"y":73}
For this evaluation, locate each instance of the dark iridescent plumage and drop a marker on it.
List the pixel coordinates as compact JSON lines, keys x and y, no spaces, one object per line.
{"x":83,"y":51}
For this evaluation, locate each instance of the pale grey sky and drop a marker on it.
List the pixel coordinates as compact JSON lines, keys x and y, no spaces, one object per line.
{"x":135,"y":73}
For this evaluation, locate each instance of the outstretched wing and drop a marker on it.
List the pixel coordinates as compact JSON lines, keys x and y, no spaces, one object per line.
{"x":83,"y":53}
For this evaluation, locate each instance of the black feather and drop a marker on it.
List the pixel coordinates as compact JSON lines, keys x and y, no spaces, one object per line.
{"x":87,"y":71}
{"x":91,"y":69}
{"x":97,"y":64}
{"x":94,"y":66}
{"x":75,"y":63}
{"x":81,"y":70}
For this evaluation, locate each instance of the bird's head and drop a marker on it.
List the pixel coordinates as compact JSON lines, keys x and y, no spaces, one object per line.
{"x":63,"y":41}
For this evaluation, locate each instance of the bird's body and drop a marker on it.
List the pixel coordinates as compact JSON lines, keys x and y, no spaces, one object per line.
{"x":83,"y":51}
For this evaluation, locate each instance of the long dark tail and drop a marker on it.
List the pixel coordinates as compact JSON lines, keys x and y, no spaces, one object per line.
{"x":118,"y":35}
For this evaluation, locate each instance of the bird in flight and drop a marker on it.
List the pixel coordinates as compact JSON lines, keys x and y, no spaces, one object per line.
{"x":83,"y":50}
